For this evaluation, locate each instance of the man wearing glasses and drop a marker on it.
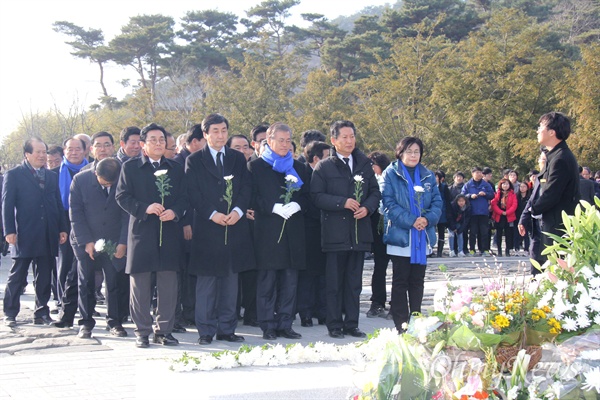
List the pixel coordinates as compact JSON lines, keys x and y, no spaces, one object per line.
{"x":154,"y":242}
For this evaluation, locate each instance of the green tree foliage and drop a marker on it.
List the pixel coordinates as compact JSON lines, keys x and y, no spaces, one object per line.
{"x":143,"y":44}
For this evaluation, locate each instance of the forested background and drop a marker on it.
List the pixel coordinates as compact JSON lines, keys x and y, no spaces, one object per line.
{"x":469,"y":77}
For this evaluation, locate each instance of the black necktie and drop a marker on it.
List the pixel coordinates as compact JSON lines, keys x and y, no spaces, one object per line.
{"x":220,"y":163}
{"x":155,"y":164}
{"x":347,"y":161}
{"x":105,"y":190}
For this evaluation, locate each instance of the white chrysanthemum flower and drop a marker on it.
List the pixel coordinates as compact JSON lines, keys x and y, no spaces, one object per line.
{"x":587,"y":272}
{"x":160,"y":172}
{"x":291,"y":178}
{"x":597,"y":269}
{"x":583,"y":321}
{"x":419,"y":189}
{"x":595,"y":306}
{"x":584,"y":301}
{"x":247,"y":359}
{"x":545,"y":299}
{"x":590,"y":354}
{"x":208,"y":363}
{"x":228,"y":177}
{"x":597,"y":319}
{"x":569,"y":324}
{"x":579,"y":288}
{"x":559,"y":306}
{"x":592,"y":380}
{"x":227,"y":361}
{"x":595,"y":282}
{"x":358,"y":178}
{"x":99,"y":245}
{"x":561,"y":285}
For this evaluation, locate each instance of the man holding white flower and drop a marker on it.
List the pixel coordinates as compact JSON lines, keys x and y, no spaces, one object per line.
{"x":154,"y":243}
{"x":279,"y":199}
{"x":96,"y":217}
{"x":345,"y":188}
{"x":219,"y":189}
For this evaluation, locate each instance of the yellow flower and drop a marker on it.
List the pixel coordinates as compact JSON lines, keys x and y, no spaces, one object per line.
{"x":500,"y":322}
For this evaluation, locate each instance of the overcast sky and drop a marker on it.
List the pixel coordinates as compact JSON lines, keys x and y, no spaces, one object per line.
{"x":37,"y":71}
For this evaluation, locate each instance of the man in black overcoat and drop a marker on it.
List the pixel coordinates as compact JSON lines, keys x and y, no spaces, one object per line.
{"x":346,"y":230}
{"x":278,"y":231}
{"x":559,"y":180}
{"x":154,"y":237}
{"x":35,"y":224}
{"x":96,"y":215}
{"x":219,"y":189}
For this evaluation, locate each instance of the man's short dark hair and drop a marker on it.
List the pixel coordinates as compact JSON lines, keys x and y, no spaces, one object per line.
{"x":459,"y":173}
{"x":315,"y":149}
{"x":487,"y":170}
{"x":103,"y":134}
{"x":109,"y":169}
{"x":257,"y":130}
{"x":56,"y":149}
{"x":476,"y":168}
{"x":405,"y":143}
{"x":195,"y":132}
{"x":238,"y":136}
{"x":311,"y":135}
{"x":152,"y":127}
{"x":558,"y":122}
{"x":127,"y":132}
{"x":83,"y":146}
{"x":440,"y":174}
{"x":334,"y":129}
{"x":380,"y":159}
{"x":28,"y":145}
{"x":213,"y":119}
{"x":515,"y":172}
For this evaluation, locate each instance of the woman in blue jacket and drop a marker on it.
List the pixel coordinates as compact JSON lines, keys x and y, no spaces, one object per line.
{"x":412,"y":207}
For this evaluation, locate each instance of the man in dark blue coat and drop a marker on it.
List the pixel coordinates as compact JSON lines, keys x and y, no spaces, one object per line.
{"x":219,"y":189}
{"x":35,"y":224}
{"x":346,"y":230}
{"x":96,"y":215}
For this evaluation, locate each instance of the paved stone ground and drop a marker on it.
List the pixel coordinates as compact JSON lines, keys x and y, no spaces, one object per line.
{"x":39,"y":362}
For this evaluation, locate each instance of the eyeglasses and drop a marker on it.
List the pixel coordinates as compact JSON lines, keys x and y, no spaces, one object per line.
{"x":155,"y":141}
{"x":105,"y":145}
{"x":412,"y":153}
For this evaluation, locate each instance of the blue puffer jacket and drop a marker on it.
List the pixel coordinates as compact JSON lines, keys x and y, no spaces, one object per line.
{"x":481,"y":204}
{"x":398,"y":220}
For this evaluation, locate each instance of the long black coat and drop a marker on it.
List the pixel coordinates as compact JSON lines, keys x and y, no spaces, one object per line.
{"x":36,"y":215}
{"x":315,"y":258}
{"x":331,"y":185}
{"x":210,"y":256}
{"x":558,"y":190}
{"x":267,"y":188}
{"x":136,"y":190}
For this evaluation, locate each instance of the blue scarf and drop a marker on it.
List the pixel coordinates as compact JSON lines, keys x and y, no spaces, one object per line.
{"x":281,"y":164}
{"x":418,"y":239}
{"x":64,"y":179}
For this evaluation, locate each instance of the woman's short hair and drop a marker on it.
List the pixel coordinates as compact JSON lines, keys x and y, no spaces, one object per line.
{"x":405,"y":143}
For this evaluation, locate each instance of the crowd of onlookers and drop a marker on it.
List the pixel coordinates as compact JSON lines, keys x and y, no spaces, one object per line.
{"x":210,"y":228}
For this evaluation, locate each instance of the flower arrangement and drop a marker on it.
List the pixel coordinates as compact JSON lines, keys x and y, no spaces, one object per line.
{"x":358,"y":193}
{"x":228,"y":197}
{"x":290,"y":187}
{"x":163,"y":184}
{"x":105,"y":246}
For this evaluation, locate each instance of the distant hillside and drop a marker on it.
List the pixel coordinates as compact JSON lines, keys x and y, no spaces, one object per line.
{"x":347,"y":22}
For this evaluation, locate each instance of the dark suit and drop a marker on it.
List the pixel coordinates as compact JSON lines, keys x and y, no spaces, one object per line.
{"x":216,"y":264}
{"x":277,"y":263}
{"x":36,"y":216}
{"x":136,"y":190}
{"x":94,"y":216}
{"x":558,"y":190}
{"x":587,"y":190}
{"x":332,"y":184}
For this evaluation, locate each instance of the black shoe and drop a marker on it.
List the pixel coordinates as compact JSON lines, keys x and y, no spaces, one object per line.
{"x":230,"y":337}
{"x":84,"y":333}
{"x":288,"y":334}
{"x":205,"y":339}
{"x":142,"y":341}
{"x":375,"y":311}
{"x":43,"y":320}
{"x":117,"y":331}
{"x":269,"y":334}
{"x":336,"y":333}
{"x":10,"y":321}
{"x":165,"y":340}
{"x":251,"y":322}
{"x":306,"y":322}
{"x":178,"y":328}
{"x":355,"y":332}
{"x":63,"y":324}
